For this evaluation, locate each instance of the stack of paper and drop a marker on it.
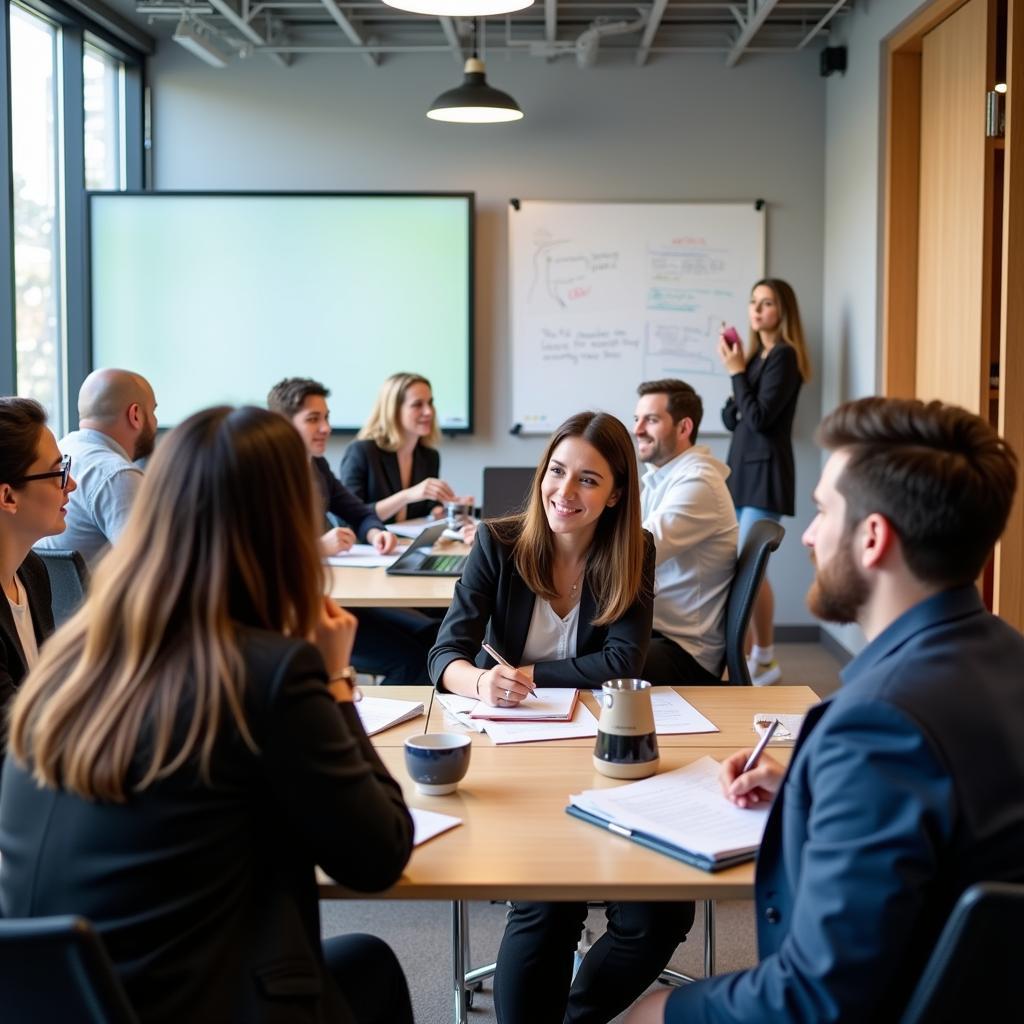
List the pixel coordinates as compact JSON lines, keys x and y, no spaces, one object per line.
{"x":682,"y":814}
{"x":380,"y":713}
{"x":551,"y":704}
{"x":362,"y":556}
{"x":583,"y":724}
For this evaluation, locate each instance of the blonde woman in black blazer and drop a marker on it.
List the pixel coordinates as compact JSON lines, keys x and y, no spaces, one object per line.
{"x":394,"y":464}
{"x":182,"y":756}
{"x":766,"y":383}
{"x":565,"y":593}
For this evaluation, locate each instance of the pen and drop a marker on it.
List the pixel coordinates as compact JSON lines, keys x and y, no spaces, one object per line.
{"x":500,"y":660}
{"x":755,"y":754}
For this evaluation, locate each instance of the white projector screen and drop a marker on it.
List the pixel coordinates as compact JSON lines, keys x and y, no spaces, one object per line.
{"x":214,"y":297}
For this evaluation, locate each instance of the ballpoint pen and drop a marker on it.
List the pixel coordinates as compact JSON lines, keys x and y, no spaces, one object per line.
{"x":502,"y":661}
{"x":755,"y":754}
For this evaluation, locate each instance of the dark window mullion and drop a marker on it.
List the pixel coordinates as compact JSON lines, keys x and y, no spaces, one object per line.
{"x":8,"y":364}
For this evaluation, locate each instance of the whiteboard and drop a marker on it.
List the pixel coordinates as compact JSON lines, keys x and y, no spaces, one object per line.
{"x":606,"y":295}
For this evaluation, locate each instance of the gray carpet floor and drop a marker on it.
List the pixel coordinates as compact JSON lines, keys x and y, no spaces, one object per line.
{"x":420,"y":932}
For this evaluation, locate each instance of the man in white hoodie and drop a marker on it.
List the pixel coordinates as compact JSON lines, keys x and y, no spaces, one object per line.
{"x":687,"y":507}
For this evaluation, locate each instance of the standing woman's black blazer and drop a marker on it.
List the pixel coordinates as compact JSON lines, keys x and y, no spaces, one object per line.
{"x":493,"y":603}
{"x":13,"y":667}
{"x":371,"y":473}
{"x":760,"y":414}
{"x":205,"y":893}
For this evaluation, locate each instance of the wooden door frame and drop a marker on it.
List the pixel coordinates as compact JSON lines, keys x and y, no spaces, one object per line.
{"x":901,"y":144}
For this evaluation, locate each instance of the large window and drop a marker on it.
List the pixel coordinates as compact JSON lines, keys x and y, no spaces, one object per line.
{"x":103,"y":82}
{"x":35,"y":156}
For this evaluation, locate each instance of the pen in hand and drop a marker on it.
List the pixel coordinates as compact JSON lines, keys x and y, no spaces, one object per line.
{"x":502,"y":661}
{"x":755,"y":754}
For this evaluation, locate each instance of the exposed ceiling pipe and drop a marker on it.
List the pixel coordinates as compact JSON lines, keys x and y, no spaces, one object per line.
{"x":588,"y":41}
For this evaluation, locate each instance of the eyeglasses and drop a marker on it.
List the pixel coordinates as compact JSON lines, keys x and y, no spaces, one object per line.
{"x":64,"y":473}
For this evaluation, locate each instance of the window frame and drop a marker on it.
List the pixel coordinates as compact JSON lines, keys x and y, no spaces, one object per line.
{"x":103,"y":29}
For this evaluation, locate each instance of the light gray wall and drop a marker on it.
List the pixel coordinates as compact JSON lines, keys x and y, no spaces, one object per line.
{"x":682,"y":128}
{"x":853,"y":214}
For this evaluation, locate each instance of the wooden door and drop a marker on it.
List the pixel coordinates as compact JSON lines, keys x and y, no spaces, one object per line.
{"x":954,"y":318}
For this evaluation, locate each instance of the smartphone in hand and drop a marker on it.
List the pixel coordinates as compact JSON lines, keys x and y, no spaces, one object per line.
{"x":731,"y":337}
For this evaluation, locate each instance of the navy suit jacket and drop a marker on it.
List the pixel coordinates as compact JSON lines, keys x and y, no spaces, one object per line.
{"x":340,"y":502}
{"x":760,"y":413}
{"x":904,"y":788}
{"x":492,"y":602}
{"x":371,"y":473}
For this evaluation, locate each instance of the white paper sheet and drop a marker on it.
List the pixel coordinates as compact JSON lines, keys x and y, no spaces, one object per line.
{"x":412,"y":528}
{"x":427,"y":824}
{"x":684,"y":807}
{"x":458,"y":708}
{"x":362,"y":556}
{"x":674,"y":715}
{"x":380,"y":713}
{"x":789,"y":726}
{"x":583,"y":724}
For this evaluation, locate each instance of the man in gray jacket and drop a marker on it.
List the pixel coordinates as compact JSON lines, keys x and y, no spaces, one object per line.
{"x":687,"y":507}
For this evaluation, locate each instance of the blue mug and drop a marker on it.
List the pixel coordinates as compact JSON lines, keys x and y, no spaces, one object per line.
{"x":437,"y":761}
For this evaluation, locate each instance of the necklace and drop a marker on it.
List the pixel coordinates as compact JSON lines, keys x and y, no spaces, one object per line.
{"x":576,"y":585}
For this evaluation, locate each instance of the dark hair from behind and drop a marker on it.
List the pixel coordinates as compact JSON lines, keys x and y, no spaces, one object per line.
{"x":941,"y":476}
{"x":221,"y":537}
{"x":287,"y":396}
{"x":683,"y":401}
{"x":21,"y":422}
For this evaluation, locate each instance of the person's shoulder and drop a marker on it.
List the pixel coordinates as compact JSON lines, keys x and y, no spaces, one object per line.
{"x":271,"y":657}
{"x":33,"y":573}
{"x":361,"y":448}
{"x":783,"y":354}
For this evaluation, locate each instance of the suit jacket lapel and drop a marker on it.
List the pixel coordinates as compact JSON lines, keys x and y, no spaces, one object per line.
{"x":41,"y":615}
{"x":11,"y":631}
{"x":389,"y":463}
{"x":586,"y":640}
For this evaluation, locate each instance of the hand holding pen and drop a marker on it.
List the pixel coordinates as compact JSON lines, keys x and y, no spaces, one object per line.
{"x":504,"y":685}
{"x":752,"y":777}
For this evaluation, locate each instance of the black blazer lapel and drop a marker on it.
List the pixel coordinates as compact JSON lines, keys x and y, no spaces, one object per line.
{"x":587,"y":634}
{"x":11,"y":640}
{"x":389,"y":467}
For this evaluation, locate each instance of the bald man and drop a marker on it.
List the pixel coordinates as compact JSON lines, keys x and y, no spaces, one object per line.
{"x":117,"y":417}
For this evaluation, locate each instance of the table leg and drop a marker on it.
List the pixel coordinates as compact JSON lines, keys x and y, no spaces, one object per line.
{"x":709,"y":938}
{"x":459,"y":929}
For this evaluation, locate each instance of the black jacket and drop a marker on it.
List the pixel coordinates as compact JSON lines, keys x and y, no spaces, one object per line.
{"x":760,"y":414}
{"x":340,"y":502}
{"x":13,"y":668}
{"x":371,"y":473}
{"x":205,"y":895}
{"x":493,"y":603}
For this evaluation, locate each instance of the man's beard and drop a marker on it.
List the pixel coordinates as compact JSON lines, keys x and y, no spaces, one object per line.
{"x":839,"y":590}
{"x":145,"y":443}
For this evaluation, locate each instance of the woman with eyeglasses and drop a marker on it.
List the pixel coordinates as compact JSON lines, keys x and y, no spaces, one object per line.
{"x":187,"y":750}
{"x":35,"y":482}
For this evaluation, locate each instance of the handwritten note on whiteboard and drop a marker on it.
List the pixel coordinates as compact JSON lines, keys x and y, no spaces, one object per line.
{"x":605,"y":295}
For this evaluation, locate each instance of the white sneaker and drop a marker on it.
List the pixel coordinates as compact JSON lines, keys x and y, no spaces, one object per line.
{"x":762,"y":674}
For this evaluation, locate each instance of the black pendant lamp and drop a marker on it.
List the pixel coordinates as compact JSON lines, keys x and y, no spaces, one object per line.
{"x":474,"y":102}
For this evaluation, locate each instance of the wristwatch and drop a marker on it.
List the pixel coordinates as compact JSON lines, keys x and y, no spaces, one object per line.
{"x":347,"y":678}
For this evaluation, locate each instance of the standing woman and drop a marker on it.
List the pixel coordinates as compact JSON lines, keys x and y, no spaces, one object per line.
{"x":565,"y":592}
{"x":394,"y":464}
{"x":766,"y":383}
{"x":35,"y":481}
{"x":186,"y":751}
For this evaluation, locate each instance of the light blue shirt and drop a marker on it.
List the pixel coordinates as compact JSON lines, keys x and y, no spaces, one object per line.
{"x":98,"y":509}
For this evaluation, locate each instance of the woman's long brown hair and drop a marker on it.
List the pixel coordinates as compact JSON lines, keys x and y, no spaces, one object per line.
{"x":221,"y":537}
{"x":615,"y":563}
{"x":791,"y":327}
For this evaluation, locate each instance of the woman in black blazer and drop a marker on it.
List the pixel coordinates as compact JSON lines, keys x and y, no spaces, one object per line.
{"x":564,"y":592}
{"x":35,"y":481}
{"x":766,"y":383}
{"x":394,"y":464}
{"x":181,"y":758}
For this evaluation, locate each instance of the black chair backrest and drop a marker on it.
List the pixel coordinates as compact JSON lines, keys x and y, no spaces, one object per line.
{"x":975,"y":962}
{"x":69,"y":577}
{"x":764,"y":537}
{"x":56,"y":969}
{"x":505,"y":489}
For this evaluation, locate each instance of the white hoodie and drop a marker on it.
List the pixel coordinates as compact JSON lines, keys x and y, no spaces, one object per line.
{"x":687,"y":507}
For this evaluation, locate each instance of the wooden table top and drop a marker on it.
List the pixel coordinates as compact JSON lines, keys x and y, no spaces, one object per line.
{"x":374,"y":588}
{"x":731,"y":708}
{"x":517,"y":842}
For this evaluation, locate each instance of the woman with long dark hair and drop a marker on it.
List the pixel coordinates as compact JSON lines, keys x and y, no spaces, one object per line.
{"x":186,"y":750}
{"x":766,"y":382}
{"x":564,"y":591}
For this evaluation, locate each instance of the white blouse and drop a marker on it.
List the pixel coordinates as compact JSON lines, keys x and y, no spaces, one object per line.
{"x":22,"y":615}
{"x":550,"y":638}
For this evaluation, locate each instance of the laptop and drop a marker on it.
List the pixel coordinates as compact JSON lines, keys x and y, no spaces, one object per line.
{"x":419,"y":560}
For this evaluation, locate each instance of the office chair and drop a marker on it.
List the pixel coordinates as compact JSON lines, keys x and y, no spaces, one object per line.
{"x":56,"y":969}
{"x":974,"y":963}
{"x":505,"y":490}
{"x":69,"y":577}
{"x":764,"y":538}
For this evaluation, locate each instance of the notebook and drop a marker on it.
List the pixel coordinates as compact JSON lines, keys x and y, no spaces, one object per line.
{"x":419,"y":560}
{"x":380,"y":713}
{"x":553,"y":704}
{"x":681,"y":814}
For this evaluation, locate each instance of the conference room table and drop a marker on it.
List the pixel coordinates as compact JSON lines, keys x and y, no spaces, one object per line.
{"x":516,"y":841}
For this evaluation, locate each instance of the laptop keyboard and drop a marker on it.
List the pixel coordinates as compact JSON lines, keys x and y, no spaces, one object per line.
{"x":444,"y":563}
